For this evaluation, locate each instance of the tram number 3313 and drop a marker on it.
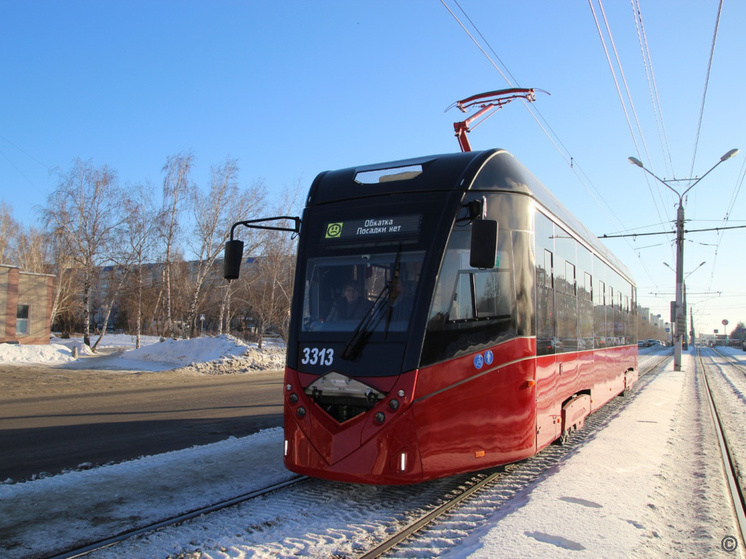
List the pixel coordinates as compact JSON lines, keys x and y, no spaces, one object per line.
{"x":317,"y":356}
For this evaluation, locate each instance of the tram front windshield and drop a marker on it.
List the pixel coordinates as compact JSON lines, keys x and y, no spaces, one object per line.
{"x":371,"y":290}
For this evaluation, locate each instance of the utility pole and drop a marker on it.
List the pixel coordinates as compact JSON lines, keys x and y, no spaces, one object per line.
{"x":679,"y":313}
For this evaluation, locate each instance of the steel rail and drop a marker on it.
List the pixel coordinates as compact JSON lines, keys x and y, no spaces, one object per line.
{"x":729,"y":464}
{"x":406,"y":533}
{"x":433,"y":515}
{"x":730,"y":359}
{"x":492,"y":478}
{"x":108,"y":542}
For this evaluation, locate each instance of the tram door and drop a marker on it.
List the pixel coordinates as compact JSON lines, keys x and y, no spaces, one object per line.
{"x":547,"y":416}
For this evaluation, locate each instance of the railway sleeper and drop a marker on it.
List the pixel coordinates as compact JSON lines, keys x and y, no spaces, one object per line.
{"x":574,"y":412}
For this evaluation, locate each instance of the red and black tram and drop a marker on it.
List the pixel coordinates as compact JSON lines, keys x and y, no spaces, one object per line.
{"x":449,"y":315}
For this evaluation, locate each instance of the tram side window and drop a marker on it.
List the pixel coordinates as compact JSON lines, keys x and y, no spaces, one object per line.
{"x":612,"y":318}
{"x":566,"y":304}
{"x":480,"y":295}
{"x":627,"y":322}
{"x":546,"y":340}
{"x":567,"y":311}
{"x":585,"y":313}
{"x":619,"y":320}
{"x":633,"y":317}
{"x":599,"y":315}
{"x":471,"y":308}
{"x":523,"y":279}
{"x":462,"y":306}
{"x":570,"y":280}
{"x":586,"y":338}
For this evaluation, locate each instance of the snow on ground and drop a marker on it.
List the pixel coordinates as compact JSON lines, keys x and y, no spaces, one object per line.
{"x":117,"y":351}
{"x":648,"y":485}
{"x":25,"y":354}
{"x":106,"y":500}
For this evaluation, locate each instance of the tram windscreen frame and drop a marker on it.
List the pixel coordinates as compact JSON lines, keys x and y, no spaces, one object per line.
{"x":341,"y":291}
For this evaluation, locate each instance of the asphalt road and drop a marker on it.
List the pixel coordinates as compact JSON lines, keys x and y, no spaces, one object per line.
{"x":53,"y":419}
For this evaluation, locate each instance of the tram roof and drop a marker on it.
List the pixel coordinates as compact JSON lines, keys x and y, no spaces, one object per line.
{"x":494,"y":169}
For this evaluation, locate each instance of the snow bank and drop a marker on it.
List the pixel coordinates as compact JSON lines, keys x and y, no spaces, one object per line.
{"x":23,"y":354}
{"x":206,"y":355}
{"x":186,"y":352}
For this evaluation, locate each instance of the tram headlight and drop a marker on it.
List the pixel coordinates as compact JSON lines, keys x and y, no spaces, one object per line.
{"x":380,"y":417}
{"x":301,"y":411}
{"x":293,"y":398}
{"x":394,"y":404}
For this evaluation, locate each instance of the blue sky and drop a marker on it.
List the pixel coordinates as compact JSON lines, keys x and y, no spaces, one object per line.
{"x":293,"y":88}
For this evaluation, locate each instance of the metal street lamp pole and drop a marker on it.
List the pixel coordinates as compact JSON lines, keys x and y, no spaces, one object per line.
{"x":683,"y":305}
{"x":679,"y":315}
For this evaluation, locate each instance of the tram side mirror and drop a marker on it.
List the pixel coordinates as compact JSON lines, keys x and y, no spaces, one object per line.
{"x":483,"y":252}
{"x":232,"y":260}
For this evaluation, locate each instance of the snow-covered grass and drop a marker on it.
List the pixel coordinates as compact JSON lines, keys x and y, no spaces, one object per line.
{"x":117,"y":351}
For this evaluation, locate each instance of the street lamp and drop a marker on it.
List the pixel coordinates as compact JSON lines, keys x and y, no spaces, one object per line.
{"x":680,"y":316}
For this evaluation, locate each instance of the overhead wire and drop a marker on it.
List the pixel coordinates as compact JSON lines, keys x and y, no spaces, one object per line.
{"x":707,"y":81}
{"x":486,"y":42}
{"x":18,"y":170}
{"x":624,"y":105}
{"x":657,"y":108}
{"x":475,"y":41}
{"x":624,"y":78}
{"x":553,"y":137}
{"x":721,"y":234}
{"x":540,"y":120}
{"x":728,"y":213}
{"x":621,"y":96}
{"x":652,"y":85}
{"x":28,"y":180}
{"x":704,"y":97}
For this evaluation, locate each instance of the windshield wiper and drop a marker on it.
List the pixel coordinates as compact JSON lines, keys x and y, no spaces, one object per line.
{"x":381,"y":307}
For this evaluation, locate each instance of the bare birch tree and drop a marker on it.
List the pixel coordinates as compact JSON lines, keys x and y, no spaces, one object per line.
{"x":8,"y":233}
{"x":268,"y":288}
{"x":31,"y":251}
{"x":83,"y":212}
{"x":66,"y":304}
{"x":141,"y":221}
{"x":176,"y":189}
{"x":214,"y":213}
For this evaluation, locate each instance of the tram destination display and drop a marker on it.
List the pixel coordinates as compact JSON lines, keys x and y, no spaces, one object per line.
{"x":373,"y":228}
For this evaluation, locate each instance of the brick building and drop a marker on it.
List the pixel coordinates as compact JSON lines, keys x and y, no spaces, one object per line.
{"x":25,"y":306}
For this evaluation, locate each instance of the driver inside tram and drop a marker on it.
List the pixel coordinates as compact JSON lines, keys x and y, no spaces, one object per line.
{"x":350,"y":306}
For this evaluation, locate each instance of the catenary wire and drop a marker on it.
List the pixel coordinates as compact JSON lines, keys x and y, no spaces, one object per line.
{"x":540,"y":120}
{"x":707,"y":81}
{"x":652,"y":85}
{"x":556,"y":143}
{"x":655,"y":102}
{"x":622,"y":102}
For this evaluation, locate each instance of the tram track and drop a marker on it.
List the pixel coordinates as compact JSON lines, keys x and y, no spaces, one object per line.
{"x":487,"y":496}
{"x":82,"y":551}
{"x":733,"y":362}
{"x":439,"y":505}
{"x":729,"y":457}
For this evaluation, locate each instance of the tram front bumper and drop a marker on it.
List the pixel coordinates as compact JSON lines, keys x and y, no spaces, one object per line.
{"x":384,"y":454}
